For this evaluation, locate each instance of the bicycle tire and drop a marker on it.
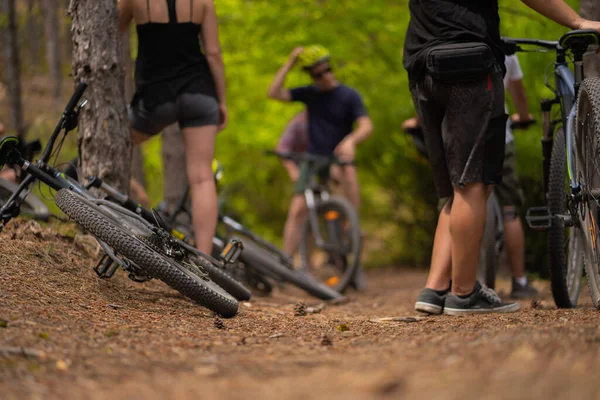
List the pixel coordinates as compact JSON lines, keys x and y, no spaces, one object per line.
{"x":564,"y":291}
{"x":342,"y":206}
{"x":223,"y":279}
{"x":104,"y":226}
{"x":31,"y":206}
{"x":263,"y":262}
{"x":488,"y":256}
{"x":588,"y":127}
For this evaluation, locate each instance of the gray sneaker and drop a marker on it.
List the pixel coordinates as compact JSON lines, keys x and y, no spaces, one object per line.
{"x":522,"y":291}
{"x":482,"y":300}
{"x":431,"y":301}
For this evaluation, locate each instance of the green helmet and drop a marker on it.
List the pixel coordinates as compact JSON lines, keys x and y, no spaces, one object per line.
{"x":313,"y":55}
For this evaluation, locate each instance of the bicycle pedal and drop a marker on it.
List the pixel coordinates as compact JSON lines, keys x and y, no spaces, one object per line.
{"x":539,"y":218}
{"x":231,"y":252}
{"x":106,"y":267}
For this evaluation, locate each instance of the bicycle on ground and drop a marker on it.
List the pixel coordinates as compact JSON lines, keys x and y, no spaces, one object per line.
{"x":144,"y":249}
{"x":261,"y":263}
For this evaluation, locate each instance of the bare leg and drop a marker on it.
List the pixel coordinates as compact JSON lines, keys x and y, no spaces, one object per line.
{"x":467,"y":221}
{"x":514,"y":239}
{"x":350,"y":184}
{"x":293,"y":225}
{"x":441,"y":257}
{"x":199,"y":153}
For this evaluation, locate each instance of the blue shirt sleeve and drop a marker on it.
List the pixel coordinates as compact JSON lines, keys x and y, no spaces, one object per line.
{"x":356,"y":106}
{"x":302,"y":93}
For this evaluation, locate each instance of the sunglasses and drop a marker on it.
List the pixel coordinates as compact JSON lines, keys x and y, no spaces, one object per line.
{"x":319,"y":75}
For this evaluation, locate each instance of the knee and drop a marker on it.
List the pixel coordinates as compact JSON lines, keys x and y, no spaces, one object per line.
{"x":200,"y":175}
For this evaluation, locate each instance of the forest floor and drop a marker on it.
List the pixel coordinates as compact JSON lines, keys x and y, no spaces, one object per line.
{"x":66,"y":334}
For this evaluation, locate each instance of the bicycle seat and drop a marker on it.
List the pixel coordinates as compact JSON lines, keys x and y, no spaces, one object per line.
{"x":9,"y":150}
{"x":578,"y":41}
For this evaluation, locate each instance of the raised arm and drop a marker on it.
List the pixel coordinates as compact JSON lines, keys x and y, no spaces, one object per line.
{"x":212,"y":49}
{"x":561,"y":13}
{"x":276,"y":89}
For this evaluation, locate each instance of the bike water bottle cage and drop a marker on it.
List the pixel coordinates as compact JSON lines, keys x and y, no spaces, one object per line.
{"x":9,"y":151}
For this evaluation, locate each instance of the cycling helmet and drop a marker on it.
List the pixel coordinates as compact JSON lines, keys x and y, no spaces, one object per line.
{"x":313,"y":55}
{"x":217,"y":170}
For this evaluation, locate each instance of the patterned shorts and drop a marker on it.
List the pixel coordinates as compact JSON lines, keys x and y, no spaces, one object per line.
{"x":464,"y":129}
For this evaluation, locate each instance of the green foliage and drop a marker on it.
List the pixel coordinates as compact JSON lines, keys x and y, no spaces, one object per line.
{"x":366,"y":39}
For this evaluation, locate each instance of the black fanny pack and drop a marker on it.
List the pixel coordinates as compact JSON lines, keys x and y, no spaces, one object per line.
{"x":459,"y":62}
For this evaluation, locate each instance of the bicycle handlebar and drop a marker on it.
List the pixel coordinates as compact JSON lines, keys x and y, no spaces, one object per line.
{"x":294,"y":156}
{"x":79,"y":90}
{"x":512,"y":45}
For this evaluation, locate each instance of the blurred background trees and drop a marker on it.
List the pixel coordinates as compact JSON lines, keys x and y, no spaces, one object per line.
{"x":366,"y":39}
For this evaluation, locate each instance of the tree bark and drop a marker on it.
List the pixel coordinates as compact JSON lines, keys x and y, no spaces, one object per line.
{"x":12,"y":62}
{"x":33,"y":28}
{"x":137,"y":159}
{"x":52,"y":46}
{"x":104,"y":138}
{"x":173,"y":157}
{"x":590,"y":9}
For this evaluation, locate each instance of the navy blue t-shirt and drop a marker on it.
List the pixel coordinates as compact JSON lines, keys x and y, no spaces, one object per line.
{"x":331,"y":115}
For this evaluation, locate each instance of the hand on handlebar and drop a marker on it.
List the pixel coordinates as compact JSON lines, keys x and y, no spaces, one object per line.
{"x":346,"y":149}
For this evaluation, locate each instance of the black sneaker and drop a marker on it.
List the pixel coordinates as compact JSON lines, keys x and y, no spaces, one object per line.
{"x":522,"y":291}
{"x":431,"y":301}
{"x":482,"y":300}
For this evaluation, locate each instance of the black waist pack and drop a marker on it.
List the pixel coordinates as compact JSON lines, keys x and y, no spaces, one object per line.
{"x":459,"y":62}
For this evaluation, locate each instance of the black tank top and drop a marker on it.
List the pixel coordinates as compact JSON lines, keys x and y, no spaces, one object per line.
{"x":170,"y":61}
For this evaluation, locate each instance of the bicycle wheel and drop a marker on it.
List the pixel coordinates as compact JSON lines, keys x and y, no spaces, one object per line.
{"x":31,"y":205}
{"x":222,"y":278}
{"x":337,"y":223}
{"x":587,"y":149}
{"x":488,"y":255}
{"x":565,"y":256}
{"x":266,"y":264}
{"x":133,"y":244}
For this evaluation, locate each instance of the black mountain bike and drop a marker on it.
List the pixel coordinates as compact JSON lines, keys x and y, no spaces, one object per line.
{"x":260,"y":263}
{"x":331,"y":243}
{"x":570,"y":151}
{"x":143,"y":249}
{"x":31,"y":206}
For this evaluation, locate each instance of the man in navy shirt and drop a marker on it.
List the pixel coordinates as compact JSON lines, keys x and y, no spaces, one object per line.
{"x":337,"y":122}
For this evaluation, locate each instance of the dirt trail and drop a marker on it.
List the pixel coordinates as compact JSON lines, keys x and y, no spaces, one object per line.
{"x":96,"y":339}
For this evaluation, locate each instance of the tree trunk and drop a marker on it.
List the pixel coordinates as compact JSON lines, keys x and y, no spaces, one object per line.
{"x":33,"y":28}
{"x":104,"y":138}
{"x":137,"y":159}
{"x":52,"y":45}
{"x":11,"y":60}
{"x":175,"y":177}
{"x":590,"y":9}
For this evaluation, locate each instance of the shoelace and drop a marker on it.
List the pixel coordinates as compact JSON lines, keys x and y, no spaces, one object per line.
{"x":490,"y":294}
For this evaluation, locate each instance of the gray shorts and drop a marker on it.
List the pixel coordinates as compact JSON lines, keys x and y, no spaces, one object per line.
{"x":189,"y":110}
{"x":464,"y":125}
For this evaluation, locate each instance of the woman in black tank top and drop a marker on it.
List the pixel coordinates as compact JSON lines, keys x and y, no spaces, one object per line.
{"x":178,"y":81}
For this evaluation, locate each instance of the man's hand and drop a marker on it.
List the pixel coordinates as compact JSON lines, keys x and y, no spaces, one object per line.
{"x":587,"y":24}
{"x":517,"y":118}
{"x":346,"y":149}
{"x":295,"y":53}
